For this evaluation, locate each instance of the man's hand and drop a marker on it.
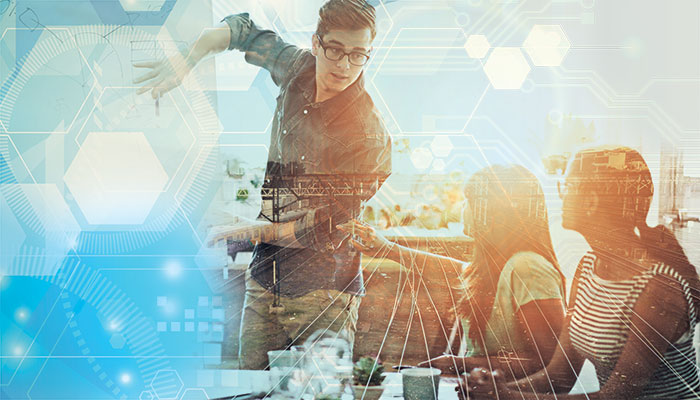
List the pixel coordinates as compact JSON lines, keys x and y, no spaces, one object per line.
{"x":255,"y":232}
{"x":252,"y":230}
{"x":164,"y":75}
{"x":371,"y":244}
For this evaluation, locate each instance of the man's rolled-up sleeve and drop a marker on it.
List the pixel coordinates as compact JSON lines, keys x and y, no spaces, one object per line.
{"x":265,"y":48}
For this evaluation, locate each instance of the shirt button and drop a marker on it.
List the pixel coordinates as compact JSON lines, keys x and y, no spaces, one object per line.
{"x":306,"y":111}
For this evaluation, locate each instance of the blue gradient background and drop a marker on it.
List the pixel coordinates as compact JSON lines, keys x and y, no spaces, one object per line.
{"x":98,"y":311}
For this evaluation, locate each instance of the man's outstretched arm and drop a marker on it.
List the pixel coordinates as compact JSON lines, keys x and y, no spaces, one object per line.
{"x":253,"y":232}
{"x":263,"y":48}
{"x":165,"y":75}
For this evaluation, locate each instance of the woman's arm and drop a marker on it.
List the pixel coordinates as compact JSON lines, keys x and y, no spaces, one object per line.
{"x":561,"y":372}
{"x":658,"y":320}
{"x":455,"y":365}
{"x":542,"y":320}
{"x":374,"y":244}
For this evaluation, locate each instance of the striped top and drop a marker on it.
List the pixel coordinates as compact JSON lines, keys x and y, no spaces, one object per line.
{"x":600,"y":325}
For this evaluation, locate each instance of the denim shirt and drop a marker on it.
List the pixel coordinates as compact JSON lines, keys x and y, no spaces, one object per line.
{"x":341,"y":143}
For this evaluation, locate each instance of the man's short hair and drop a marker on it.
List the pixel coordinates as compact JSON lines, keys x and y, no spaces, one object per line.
{"x":346,"y":15}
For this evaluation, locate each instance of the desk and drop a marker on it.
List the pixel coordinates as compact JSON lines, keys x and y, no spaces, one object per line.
{"x":394,"y":388}
{"x":245,"y":381}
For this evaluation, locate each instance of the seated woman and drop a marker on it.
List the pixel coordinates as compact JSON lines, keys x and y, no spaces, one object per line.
{"x":513,"y":304}
{"x":634,"y":295}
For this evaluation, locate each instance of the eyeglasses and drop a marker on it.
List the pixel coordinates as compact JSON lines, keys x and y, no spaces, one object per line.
{"x":564,"y":188}
{"x":332,"y":53}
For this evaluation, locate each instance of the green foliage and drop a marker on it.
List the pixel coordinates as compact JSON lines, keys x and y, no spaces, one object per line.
{"x":368,"y":371}
{"x":326,"y":397}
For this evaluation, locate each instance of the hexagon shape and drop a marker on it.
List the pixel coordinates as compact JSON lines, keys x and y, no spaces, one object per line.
{"x":439,"y":165}
{"x":170,"y":132}
{"x":146,"y":395}
{"x":49,"y":87}
{"x":116,"y":178}
{"x":477,"y":46}
{"x":546,"y":45}
{"x":506,"y":68}
{"x":166,"y":384}
{"x":117,"y":341}
{"x":441,"y":146}
{"x":141,"y":5}
{"x":194,"y":394}
{"x":421,"y":158}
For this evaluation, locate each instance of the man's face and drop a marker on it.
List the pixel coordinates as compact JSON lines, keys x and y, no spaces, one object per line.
{"x":335,"y":76}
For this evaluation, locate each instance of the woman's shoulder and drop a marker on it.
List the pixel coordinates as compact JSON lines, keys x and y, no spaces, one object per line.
{"x":532,"y":277}
{"x":529,"y":266}
{"x":528,"y":260}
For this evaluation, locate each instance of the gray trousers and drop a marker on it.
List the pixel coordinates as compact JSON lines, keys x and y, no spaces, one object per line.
{"x":262,"y":331}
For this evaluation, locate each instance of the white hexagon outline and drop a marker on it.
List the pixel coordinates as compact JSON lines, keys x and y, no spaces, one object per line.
{"x":179,"y":390}
{"x":563,"y":36}
{"x":149,"y":393}
{"x":182,"y":117}
{"x":206,"y":395}
{"x":92,"y":88}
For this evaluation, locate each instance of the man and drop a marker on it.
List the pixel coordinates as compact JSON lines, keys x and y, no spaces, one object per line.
{"x":329,"y":151}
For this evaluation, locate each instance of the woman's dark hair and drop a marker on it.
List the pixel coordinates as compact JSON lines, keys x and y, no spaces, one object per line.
{"x":509,"y":215}
{"x":622,"y":180}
